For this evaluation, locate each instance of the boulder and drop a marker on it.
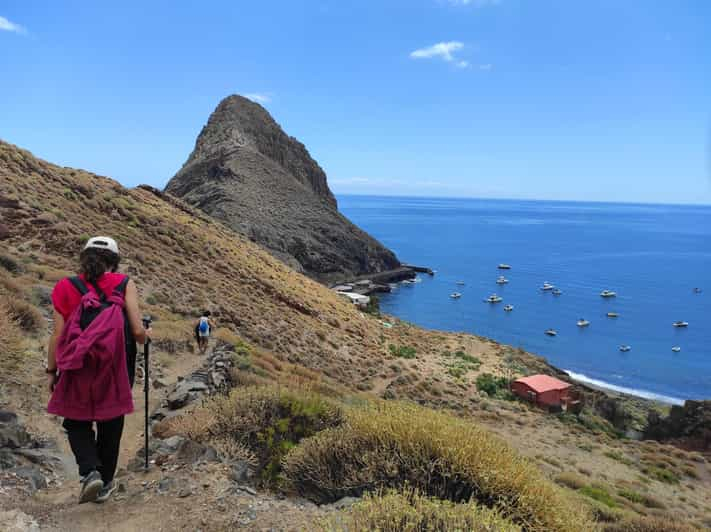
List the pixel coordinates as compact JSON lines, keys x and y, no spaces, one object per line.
{"x":12,"y":434}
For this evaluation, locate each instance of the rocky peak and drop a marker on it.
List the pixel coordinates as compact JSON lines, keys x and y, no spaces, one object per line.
{"x":238,"y":122}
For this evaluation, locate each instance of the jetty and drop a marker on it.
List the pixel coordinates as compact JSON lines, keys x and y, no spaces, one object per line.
{"x":380,"y":281}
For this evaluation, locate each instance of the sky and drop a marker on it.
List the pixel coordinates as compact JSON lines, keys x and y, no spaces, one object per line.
{"x":548,"y":99}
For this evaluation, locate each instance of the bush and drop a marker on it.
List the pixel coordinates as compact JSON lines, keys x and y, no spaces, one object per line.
{"x":571,"y":480}
{"x":490,"y":385}
{"x":649,"y":524}
{"x":402,"y":351}
{"x":395,"y":511}
{"x":10,"y":264}
{"x":267,"y":420}
{"x":28,"y":317}
{"x":391,"y":445}
{"x":11,"y":346}
{"x":600,"y":494}
{"x":641,"y":498}
{"x":662,"y":475}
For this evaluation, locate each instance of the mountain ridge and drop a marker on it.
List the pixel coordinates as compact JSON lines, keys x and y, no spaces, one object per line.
{"x":247,"y":172}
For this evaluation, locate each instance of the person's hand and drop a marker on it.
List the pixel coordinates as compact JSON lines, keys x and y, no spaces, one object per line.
{"x":51,"y":381}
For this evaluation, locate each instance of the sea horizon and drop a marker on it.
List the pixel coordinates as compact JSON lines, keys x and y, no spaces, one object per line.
{"x":652,"y":254}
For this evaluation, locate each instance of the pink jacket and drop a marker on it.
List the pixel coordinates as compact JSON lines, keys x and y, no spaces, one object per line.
{"x":93,"y":381}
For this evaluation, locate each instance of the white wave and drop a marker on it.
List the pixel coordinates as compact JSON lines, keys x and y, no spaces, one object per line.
{"x":622,"y":389}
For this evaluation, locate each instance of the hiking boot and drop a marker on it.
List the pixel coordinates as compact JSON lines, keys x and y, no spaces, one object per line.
{"x":106,"y":491}
{"x":91,"y":485}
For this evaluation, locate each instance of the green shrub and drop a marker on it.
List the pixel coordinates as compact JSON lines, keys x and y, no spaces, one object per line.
{"x":600,"y":494}
{"x":619,"y":457}
{"x":662,"y":475}
{"x":396,"y":511}
{"x":28,"y":317}
{"x":268,"y":420}
{"x":392,"y":445}
{"x":10,"y":264}
{"x":641,"y":498}
{"x":490,"y":385}
{"x":402,"y":351}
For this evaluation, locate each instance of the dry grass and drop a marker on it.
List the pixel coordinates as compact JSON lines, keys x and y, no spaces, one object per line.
{"x":571,"y":480}
{"x":396,"y":511}
{"x":649,"y":524}
{"x":26,"y":316}
{"x":396,"y":444}
{"x":12,"y":344}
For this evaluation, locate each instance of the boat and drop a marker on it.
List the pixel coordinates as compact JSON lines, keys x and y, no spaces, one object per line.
{"x":680,"y":324}
{"x":582,"y":322}
{"x":551,"y":332}
{"x":460,"y":283}
{"x":676,"y":348}
{"x":625,"y":348}
{"x":557,"y":291}
{"x":547,"y":286}
{"x":608,"y":293}
{"x":408,"y":281}
{"x":612,"y":314}
{"x":508,"y":308}
{"x":697,"y":290}
{"x":455,"y":295}
{"x":504,"y":267}
{"x":502,"y":280}
{"x":493,"y":298}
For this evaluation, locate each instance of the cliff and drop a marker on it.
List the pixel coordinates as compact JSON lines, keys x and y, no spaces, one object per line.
{"x":248,"y":173}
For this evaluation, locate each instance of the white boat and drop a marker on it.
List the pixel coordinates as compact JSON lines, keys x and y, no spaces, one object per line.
{"x":676,"y":348}
{"x":697,"y":290}
{"x":502,"y":280}
{"x":455,"y":295}
{"x":547,"y":286}
{"x":612,"y":314}
{"x":504,"y":267}
{"x":625,"y":348}
{"x":557,"y":291}
{"x":508,"y":308}
{"x":408,"y":281}
{"x":582,"y":322}
{"x":551,"y":332}
{"x":493,"y":298}
{"x":460,"y":283}
{"x":608,"y":293}
{"x":680,"y":324}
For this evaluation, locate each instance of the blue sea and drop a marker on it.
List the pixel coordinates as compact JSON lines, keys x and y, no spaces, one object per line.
{"x":653,"y":256}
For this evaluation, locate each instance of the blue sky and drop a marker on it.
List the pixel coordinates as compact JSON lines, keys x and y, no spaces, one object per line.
{"x":556,"y":99}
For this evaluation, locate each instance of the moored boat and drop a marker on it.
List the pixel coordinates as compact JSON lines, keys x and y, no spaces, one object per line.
{"x":508,"y":308}
{"x":608,"y":293}
{"x":582,"y":322}
{"x":504,"y":266}
{"x":455,"y":295}
{"x":493,"y":298}
{"x":625,"y":348}
{"x":556,"y":291}
{"x":551,"y":332}
{"x":676,"y":348}
{"x":680,"y":324}
{"x":612,"y":314}
{"x":502,"y":280}
{"x":547,"y":286}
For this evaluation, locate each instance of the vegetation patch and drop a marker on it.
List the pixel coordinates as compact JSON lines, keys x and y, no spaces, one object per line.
{"x":641,"y":498}
{"x":619,"y":457}
{"x":648,"y":524}
{"x":600,"y":494}
{"x":493,"y":386}
{"x":392,"y":445}
{"x":412,"y":511}
{"x":11,"y":346}
{"x":26,"y":316}
{"x":267,"y":420}
{"x":402,"y":351}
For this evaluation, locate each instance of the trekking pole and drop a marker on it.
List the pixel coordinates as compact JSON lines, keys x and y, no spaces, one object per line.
{"x":146,"y":325}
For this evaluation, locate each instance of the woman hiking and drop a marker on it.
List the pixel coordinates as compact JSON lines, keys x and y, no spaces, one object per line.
{"x":91,"y":361}
{"x":203,"y":328}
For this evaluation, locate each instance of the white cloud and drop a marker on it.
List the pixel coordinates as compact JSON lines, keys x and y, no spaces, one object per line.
{"x":443,"y":50}
{"x":258,"y":97}
{"x":6,"y":25}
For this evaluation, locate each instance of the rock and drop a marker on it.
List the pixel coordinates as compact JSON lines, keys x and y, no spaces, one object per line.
{"x":240,"y":472}
{"x":32,"y":474}
{"x":345,"y":502}
{"x":247,"y":489}
{"x":4,"y":232}
{"x":170,"y":445}
{"x":191,"y":452}
{"x":178,"y":399}
{"x":159,"y":383}
{"x":689,"y":424}
{"x":166,"y":484}
{"x":17,"y":521}
{"x":12,"y":434}
{"x":185,"y":492}
{"x":247,"y":172}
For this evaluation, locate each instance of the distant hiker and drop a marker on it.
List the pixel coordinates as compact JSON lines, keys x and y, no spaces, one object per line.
{"x":91,"y":362}
{"x":203,"y":328}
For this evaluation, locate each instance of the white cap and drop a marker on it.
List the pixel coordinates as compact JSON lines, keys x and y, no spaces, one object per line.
{"x":102,"y":242}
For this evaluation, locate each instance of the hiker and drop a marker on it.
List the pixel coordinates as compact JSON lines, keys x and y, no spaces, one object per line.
{"x":91,"y":362}
{"x":203,"y":328}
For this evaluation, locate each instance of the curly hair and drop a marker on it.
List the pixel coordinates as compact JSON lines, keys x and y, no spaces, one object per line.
{"x":93,"y":263}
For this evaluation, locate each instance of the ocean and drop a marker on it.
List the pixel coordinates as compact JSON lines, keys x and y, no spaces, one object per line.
{"x":652,"y":256}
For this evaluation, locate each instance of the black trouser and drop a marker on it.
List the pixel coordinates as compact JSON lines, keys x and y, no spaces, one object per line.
{"x":98,"y":451}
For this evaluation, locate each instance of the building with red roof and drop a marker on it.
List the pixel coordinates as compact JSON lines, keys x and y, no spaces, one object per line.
{"x":543,"y":390}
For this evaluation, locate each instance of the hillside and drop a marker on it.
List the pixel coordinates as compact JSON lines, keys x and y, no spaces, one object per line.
{"x":261,"y":182}
{"x":286,"y":328}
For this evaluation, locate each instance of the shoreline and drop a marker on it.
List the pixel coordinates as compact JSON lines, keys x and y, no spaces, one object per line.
{"x":636,"y":393}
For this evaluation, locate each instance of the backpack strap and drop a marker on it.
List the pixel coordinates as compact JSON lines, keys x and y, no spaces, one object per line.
{"x":121,"y":287}
{"x":99,"y":292}
{"x":79,"y":285}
